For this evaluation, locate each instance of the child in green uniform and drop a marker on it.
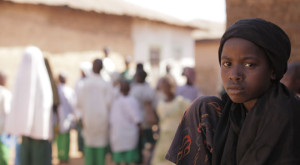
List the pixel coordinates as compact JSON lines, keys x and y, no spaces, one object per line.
{"x":66,"y":117}
{"x":125,"y":125}
{"x":94,"y":100}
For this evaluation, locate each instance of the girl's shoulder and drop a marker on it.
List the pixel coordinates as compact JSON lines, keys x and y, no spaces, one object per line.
{"x":206,"y":106}
{"x":208,"y":102}
{"x":195,"y":132}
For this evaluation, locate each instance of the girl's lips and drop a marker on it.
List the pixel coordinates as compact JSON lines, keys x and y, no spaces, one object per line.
{"x":235,"y":90}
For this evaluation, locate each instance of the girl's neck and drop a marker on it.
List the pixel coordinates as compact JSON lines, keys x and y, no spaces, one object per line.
{"x":251,"y":103}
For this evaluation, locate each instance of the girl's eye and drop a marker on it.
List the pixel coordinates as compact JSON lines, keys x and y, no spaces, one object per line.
{"x":249,"y":65}
{"x":226,"y":64}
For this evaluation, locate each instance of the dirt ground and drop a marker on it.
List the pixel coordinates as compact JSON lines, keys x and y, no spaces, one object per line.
{"x":76,"y":157}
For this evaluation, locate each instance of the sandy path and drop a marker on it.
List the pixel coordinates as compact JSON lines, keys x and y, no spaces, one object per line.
{"x":76,"y":157}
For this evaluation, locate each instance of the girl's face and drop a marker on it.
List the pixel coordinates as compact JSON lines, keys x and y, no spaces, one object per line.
{"x":245,"y":71}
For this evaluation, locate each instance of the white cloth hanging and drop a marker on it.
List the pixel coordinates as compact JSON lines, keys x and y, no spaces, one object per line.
{"x":31,"y":110}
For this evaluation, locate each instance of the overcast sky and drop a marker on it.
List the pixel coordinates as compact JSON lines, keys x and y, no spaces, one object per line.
{"x":187,"y":10}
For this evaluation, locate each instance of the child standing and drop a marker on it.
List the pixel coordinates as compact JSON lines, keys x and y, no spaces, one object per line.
{"x":170,"y":111}
{"x":85,"y":71}
{"x":189,"y":90}
{"x":125,"y":126}
{"x":260,"y":116}
{"x":147,"y":103}
{"x":94,"y":100}
{"x":66,"y":118}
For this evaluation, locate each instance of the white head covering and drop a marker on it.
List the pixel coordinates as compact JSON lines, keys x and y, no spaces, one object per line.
{"x":86,"y":67}
{"x":31,"y":113}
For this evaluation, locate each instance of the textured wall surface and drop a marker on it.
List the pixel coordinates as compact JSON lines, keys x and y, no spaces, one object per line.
{"x":68,"y":37}
{"x":284,"y":13}
{"x":60,"y":29}
{"x":207,"y":66}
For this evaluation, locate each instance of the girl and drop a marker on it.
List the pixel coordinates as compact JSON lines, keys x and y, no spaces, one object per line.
{"x":260,"y":116}
{"x":170,"y":111}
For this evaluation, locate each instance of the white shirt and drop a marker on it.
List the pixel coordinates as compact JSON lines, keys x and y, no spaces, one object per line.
{"x":66,"y":107}
{"x":143,"y":93}
{"x":32,"y":99}
{"x":78,"y":85}
{"x":94,"y":99}
{"x":109,"y":68}
{"x":124,"y":118}
{"x":5,"y":101}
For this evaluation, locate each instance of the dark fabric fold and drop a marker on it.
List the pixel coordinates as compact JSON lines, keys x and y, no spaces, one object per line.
{"x":228,"y":137}
{"x":268,"y":135}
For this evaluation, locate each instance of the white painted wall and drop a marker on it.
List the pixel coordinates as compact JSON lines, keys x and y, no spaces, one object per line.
{"x":176,"y":46}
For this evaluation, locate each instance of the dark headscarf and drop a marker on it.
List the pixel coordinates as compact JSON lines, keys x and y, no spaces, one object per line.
{"x":270,"y":37}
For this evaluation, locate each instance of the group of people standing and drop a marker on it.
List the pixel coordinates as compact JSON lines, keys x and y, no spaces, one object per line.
{"x":255,"y":122}
{"x":126,"y":116}
{"x":121,"y":115}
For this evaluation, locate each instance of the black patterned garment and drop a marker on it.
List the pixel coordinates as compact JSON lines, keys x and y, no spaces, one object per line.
{"x":192,"y":144}
{"x":267,"y":135}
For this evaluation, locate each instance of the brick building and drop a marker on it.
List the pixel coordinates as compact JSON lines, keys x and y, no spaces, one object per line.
{"x":69,"y":32}
{"x":285,"y":13}
{"x":206,"y":57}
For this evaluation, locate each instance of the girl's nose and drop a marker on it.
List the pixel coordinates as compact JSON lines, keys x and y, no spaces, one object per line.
{"x":236,"y":74}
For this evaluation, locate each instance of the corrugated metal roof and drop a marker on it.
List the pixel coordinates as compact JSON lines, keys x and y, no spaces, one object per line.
{"x":114,"y":7}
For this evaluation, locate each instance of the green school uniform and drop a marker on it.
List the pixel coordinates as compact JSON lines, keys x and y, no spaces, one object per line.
{"x":94,"y":155}
{"x":131,"y":156}
{"x":63,"y":146}
{"x":35,"y":152}
{"x":4,"y":154}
